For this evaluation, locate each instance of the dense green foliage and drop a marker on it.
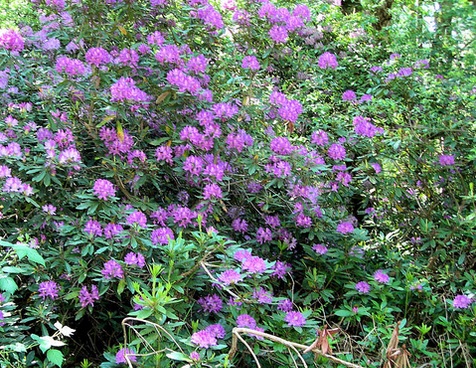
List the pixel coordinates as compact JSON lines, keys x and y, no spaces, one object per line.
{"x":170,"y":171}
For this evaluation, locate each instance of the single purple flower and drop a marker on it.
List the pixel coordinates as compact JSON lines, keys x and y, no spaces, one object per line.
{"x":195,"y":356}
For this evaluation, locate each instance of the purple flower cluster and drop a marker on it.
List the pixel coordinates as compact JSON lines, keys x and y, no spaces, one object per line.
{"x":362,"y":287}
{"x":129,"y":57}
{"x":112,"y":230}
{"x":250,"y":62}
{"x":285,"y":305}
{"x":169,"y":54}
{"x":462,"y":301}
{"x":15,"y":185}
{"x":446,"y":160}
{"x":288,"y":110}
{"x":229,"y":277}
{"x":295,"y":319}
{"x":87,"y":297}
{"x":48,"y":289}
{"x":112,"y":269}
{"x":123,"y":353}
{"x":246,"y":321}
{"x":281,"y":146}
{"x":11,"y":40}
{"x":184,"y":82}
{"x":381,"y":277}
{"x":210,"y":17}
{"x":48,"y":208}
{"x":211,"y":303}
{"x":345,"y":227}
{"x":162,"y":235}
{"x":363,"y":126}
{"x":98,"y":56}
{"x":327,"y":60}
{"x":104,"y":189}
{"x":212,"y":191}
{"x":239,"y":225}
{"x":208,"y":337}
{"x":71,"y":67}
{"x":125,"y":90}
{"x":134,"y":259}
{"x":264,"y":235}
{"x":349,"y":95}
{"x":278,"y":34}
{"x":224,"y":110}
{"x":137,"y":218}
{"x":93,"y":228}
{"x":284,"y":21}
{"x":262,"y":296}
{"x":336,"y":151}
{"x":239,"y":141}
{"x":319,"y":138}
{"x":115,"y":144}
{"x":320,"y":249}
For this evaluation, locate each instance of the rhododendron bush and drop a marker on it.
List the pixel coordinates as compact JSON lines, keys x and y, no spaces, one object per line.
{"x":196,"y":167}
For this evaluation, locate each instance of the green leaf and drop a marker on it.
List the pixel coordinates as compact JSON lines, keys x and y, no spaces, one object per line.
{"x":343,"y":313}
{"x":121,"y":286}
{"x":17,"y":347}
{"x":175,"y":355}
{"x":8,"y":284}
{"x":9,"y":269}
{"x":55,"y":356}
{"x":32,"y":254}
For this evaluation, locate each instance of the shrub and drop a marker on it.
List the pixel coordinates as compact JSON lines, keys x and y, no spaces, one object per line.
{"x":177,"y":172}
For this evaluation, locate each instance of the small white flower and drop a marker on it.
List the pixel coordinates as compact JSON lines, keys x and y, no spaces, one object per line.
{"x":52,"y":342}
{"x":64,"y":330}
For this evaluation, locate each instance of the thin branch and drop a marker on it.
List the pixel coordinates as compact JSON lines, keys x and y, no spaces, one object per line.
{"x":236,"y":334}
